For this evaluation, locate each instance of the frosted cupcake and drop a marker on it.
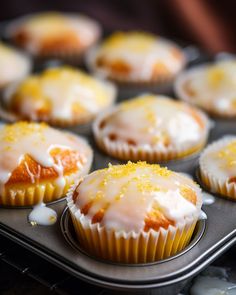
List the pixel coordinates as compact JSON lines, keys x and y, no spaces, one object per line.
{"x":211,"y":87}
{"x":61,"y":96}
{"x":54,"y":34}
{"x":136,"y":58}
{"x":165,"y":208}
{"x":39,"y":163}
{"x":14,"y":65}
{"x":218,"y":167}
{"x":152,"y":128}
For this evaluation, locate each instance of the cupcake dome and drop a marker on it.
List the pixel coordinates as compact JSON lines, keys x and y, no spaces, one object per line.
{"x":136,"y":57}
{"x":54,"y":33}
{"x":136,"y":212}
{"x":59,"y":96}
{"x":151,"y":128}
{"x":218,"y":167}
{"x":13,"y":65}
{"x":211,"y":87}
{"x":39,"y":163}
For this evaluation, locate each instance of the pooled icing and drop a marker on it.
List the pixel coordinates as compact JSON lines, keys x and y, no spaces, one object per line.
{"x":42,"y":215}
{"x":46,"y":26}
{"x":212,"y":86}
{"x":219,"y":159}
{"x":141,"y":51}
{"x":63,"y":91}
{"x":13,"y":65}
{"x":155,"y":121}
{"x":37,"y":141}
{"x":128,"y":192}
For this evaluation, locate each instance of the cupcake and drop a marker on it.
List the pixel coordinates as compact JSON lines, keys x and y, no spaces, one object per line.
{"x":136,"y":58}
{"x":217,"y":167}
{"x":152,"y":128}
{"x":211,"y":87}
{"x":13,"y":65}
{"x":60,"y":96}
{"x":134,"y":213}
{"x":54,"y":34}
{"x":39,"y":163}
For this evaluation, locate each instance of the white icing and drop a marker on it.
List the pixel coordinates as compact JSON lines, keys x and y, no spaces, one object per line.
{"x":42,"y":215}
{"x":208,"y":199}
{"x":179,"y":205}
{"x":151,"y":120}
{"x":61,"y":89}
{"x":202,"y":216}
{"x":18,"y":141}
{"x":205,"y":285}
{"x":213,"y":85}
{"x":218,"y":161}
{"x":13,"y":65}
{"x":129,"y":197}
{"x":141,"y":60}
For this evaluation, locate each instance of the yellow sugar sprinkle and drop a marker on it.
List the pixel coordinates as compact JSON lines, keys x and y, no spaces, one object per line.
{"x":147,"y":187}
{"x":14,"y":132}
{"x":215,"y":75}
{"x":118,"y":171}
{"x":229,"y":154}
{"x":136,"y":41}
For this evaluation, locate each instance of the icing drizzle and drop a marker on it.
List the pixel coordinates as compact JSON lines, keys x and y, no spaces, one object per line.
{"x":37,"y":141}
{"x":128,"y":192}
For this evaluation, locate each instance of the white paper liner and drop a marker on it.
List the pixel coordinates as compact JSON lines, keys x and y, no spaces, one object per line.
{"x":125,"y":151}
{"x":131,"y":247}
{"x":209,"y":179}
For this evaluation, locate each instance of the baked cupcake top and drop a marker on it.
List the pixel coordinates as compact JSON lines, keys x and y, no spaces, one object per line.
{"x":211,"y":86}
{"x":219,"y":160}
{"x":136,"y":197}
{"x":51,"y":32}
{"x":13,"y":65}
{"x":153,"y":121}
{"x":32,"y":152}
{"x":63,"y":93}
{"x":136,"y":56}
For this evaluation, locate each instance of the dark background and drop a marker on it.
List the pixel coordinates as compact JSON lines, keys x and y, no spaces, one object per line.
{"x":208,"y":23}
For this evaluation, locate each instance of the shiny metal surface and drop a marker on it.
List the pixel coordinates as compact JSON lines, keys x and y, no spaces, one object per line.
{"x":160,"y":278}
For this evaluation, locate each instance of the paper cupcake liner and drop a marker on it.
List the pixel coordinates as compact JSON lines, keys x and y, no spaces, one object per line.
{"x":130,"y":247}
{"x":212,"y":183}
{"x":43,"y":191}
{"x":124,"y":151}
{"x":29,"y":195}
{"x":182,"y":95}
{"x":72,"y":56}
{"x":73,"y":121}
{"x":163,"y":82}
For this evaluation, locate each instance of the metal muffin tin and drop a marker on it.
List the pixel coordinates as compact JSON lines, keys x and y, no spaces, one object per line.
{"x":58,"y":244}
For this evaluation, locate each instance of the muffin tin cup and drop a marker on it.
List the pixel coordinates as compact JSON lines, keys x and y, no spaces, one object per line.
{"x":142,"y":247}
{"x":69,"y":232}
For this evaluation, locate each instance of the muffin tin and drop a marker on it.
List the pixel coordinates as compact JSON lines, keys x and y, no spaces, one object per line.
{"x":58,"y":244}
